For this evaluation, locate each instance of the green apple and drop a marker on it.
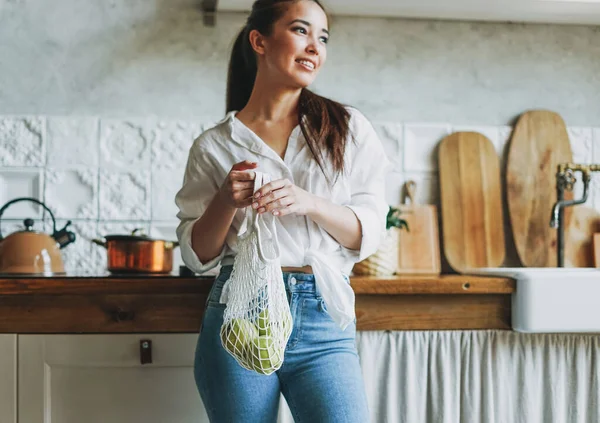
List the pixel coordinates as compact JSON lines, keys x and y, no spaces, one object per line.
{"x":264,"y":355}
{"x":264,"y":328}
{"x":238,"y":334}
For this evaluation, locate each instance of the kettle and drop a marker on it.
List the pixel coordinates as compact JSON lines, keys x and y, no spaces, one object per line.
{"x":29,"y":252}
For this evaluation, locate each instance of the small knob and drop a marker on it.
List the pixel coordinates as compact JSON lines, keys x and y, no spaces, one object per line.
{"x":28,"y":224}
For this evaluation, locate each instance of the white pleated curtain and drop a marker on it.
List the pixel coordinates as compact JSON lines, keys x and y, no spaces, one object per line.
{"x":479,"y":377}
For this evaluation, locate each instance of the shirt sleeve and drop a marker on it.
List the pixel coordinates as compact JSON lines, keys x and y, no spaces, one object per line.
{"x":369,"y":167}
{"x":199,"y":188}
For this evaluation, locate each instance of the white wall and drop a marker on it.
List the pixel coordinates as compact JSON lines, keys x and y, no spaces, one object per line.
{"x":99,"y":101}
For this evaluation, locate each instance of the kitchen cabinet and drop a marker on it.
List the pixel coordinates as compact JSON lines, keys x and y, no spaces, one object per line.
{"x":546,"y":11}
{"x":100,"y":378}
{"x":8,"y":378}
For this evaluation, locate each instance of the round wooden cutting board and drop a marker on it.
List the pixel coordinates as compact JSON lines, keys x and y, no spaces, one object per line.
{"x":471,"y":202}
{"x":539,"y":143}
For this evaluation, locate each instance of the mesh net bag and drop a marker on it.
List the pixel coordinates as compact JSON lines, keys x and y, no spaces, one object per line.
{"x":257,"y":322}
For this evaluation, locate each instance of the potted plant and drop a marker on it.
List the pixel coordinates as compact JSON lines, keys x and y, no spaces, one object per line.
{"x":384,"y":261}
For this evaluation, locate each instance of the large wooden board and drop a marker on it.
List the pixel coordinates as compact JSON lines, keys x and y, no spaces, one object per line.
{"x":539,"y":143}
{"x":579,"y":237}
{"x":419,"y":247}
{"x":471,"y":202}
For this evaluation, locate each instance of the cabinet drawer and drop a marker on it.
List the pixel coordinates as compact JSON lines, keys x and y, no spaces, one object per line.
{"x":119,"y":313}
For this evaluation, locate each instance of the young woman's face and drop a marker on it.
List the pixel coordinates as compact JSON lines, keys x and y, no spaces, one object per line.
{"x":296,"y":48}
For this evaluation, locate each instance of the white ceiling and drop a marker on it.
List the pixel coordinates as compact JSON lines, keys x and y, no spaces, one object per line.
{"x":548,"y":11}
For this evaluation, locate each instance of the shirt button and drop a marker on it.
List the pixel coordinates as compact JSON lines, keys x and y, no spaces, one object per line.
{"x":293,"y":280}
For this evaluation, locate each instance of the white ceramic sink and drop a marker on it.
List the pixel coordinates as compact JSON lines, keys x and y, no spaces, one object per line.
{"x":553,"y":299}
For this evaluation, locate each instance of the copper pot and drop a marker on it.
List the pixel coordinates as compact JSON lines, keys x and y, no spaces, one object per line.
{"x":138,"y":254}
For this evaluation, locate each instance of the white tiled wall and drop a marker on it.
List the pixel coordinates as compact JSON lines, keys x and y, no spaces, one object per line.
{"x":111,"y":176}
{"x":107,"y":176}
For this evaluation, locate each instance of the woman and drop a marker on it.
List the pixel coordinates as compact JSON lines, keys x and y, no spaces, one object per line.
{"x":327,"y":168}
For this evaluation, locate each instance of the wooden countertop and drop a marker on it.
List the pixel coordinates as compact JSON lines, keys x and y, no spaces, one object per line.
{"x":362,"y":285}
{"x":171,"y":304}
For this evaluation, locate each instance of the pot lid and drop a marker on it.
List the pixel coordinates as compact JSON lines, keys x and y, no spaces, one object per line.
{"x":136,"y":235}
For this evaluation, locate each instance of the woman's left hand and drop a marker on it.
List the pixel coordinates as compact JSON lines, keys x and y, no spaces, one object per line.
{"x":281,"y":198}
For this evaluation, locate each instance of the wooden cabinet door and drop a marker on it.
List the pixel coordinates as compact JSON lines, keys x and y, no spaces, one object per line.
{"x":99,"y":379}
{"x":8,"y":378}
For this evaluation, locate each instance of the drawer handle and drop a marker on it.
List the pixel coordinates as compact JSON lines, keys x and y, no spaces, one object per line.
{"x":122,"y":315}
{"x":146,"y":351}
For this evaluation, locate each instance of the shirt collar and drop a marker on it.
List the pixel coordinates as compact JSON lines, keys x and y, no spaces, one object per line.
{"x":243,"y":136}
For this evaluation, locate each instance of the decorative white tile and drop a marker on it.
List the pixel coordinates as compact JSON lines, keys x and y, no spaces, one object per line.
{"x":172,"y":143}
{"x":105,"y":228}
{"x":581,"y":140}
{"x":209,"y":122}
{"x":581,"y":144}
{"x":165,"y":184}
{"x":22,"y":141}
{"x":596,"y":144}
{"x":393,"y":188}
{"x":72,"y":141}
{"x":14,"y":183}
{"x":82,"y":257}
{"x":421,"y":145}
{"x":126,"y":144}
{"x":595,"y":185}
{"x":427,"y":190}
{"x":578,"y":189}
{"x":73,"y":193}
{"x":124,"y":195}
{"x":390,"y":135}
{"x":166,"y":231}
{"x":490,"y":132}
{"x":504,"y":136}
{"x":8,"y":226}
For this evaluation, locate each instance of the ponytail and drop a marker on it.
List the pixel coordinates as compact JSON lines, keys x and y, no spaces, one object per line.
{"x":326,"y":128}
{"x":241,"y":73}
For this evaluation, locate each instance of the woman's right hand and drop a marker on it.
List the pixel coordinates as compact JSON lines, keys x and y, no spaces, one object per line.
{"x":238,"y":187}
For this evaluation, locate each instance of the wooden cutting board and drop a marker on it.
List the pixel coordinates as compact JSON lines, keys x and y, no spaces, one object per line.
{"x":419,"y":246}
{"x":471,"y":202}
{"x":579,"y":237}
{"x":539,"y":143}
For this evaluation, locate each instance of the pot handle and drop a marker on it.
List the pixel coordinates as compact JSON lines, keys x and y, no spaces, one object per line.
{"x":171,"y":244}
{"x":99,"y":242}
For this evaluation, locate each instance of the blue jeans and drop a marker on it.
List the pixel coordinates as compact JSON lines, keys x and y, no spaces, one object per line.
{"x":320,"y":378}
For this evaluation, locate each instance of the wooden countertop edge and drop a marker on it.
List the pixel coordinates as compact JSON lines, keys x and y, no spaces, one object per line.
{"x":362,"y":285}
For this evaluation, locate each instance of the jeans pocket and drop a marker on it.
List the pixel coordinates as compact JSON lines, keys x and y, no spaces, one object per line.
{"x":214,"y":296}
{"x":322,"y":305}
{"x":216,"y":304}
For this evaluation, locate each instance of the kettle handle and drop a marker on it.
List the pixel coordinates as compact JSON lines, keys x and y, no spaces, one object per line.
{"x":4,"y":207}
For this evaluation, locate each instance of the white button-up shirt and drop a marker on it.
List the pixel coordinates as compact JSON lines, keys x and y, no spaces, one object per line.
{"x":302,"y":242}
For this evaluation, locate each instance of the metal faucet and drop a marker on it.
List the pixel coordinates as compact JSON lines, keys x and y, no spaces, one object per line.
{"x":565,"y":180}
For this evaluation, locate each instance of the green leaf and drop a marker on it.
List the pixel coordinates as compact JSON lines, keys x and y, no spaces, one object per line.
{"x":393,"y":219}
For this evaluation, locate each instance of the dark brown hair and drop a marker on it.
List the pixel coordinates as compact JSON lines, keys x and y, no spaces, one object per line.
{"x":324,"y":122}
